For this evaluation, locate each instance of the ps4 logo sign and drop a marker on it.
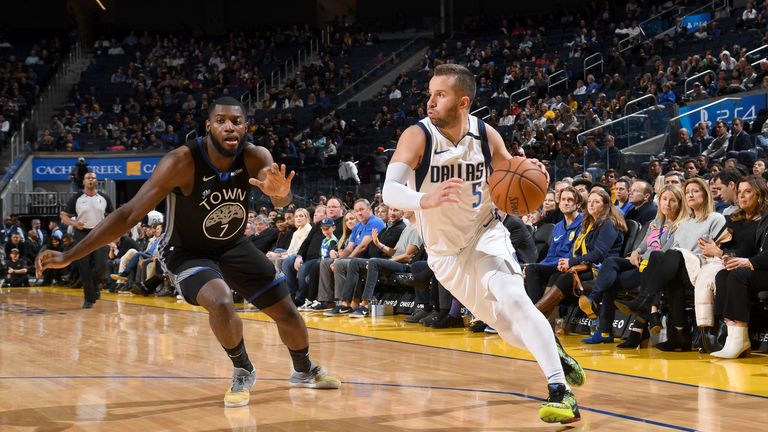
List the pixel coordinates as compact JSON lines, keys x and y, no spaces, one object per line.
{"x":742,"y":112}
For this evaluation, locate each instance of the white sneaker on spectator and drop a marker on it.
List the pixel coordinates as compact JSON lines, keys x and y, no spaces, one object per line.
{"x":360,"y":312}
{"x":306,"y":306}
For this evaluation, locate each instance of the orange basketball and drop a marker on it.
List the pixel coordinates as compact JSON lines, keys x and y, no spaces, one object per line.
{"x":518,"y":186}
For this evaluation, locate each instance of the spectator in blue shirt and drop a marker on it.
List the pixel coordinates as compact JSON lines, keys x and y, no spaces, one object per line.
{"x":666,"y":95}
{"x":170,"y":138}
{"x":563,"y":235}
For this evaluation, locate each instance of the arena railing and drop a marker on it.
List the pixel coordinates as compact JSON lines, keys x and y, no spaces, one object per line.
{"x":560,"y":76}
{"x":599,"y":62}
{"x":634,"y":127}
{"x":280,"y":75}
{"x":637,"y":100}
{"x":479,"y":110}
{"x":191,"y":135}
{"x":388,"y":61}
{"x":758,"y":49}
{"x":524,"y":90}
{"x":49,"y":203}
{"x":652,"y":26}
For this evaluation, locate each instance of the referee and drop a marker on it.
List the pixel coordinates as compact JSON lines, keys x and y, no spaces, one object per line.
{"x":91,"y":208}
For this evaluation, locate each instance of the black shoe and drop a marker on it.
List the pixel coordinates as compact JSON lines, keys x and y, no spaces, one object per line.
{"x":478,"y":327}
{"x":408,"y":280}
{"x":140,"y":289}
{"x":448,"y":321}
{"x":677,"y":340}
{"x":709,"y":340}
{"x":430,"y":319}
{"x":87,"y":304}
{"x":654,"y":322}
{"x":636,"y":339}
{"x":640,"y":304}
{"x":417,"y":316}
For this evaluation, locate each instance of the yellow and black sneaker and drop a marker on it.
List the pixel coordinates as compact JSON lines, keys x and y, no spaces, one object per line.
{"x":574,"y":374}
{"x":560,"y":407}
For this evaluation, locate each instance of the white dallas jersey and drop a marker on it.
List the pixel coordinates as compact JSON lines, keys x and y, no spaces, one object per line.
{"x":448,"y":229}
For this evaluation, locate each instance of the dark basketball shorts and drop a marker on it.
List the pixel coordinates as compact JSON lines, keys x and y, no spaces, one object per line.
{"x":243,"y":267}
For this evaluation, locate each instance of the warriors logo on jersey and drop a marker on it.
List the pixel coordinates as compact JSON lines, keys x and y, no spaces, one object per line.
{"x":225,"y":219}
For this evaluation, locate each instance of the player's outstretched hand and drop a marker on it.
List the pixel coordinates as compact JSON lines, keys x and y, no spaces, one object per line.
{"x":49,"y":259}
{"x":276,"y":183}
{"x":445,"y":193}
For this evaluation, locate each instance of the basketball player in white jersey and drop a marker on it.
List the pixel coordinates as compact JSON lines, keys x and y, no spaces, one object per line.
{"x":440,"y":170}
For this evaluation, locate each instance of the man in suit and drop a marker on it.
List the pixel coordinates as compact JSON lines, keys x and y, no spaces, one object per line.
{"x":740,"y":145}
{"x":41,"y":236}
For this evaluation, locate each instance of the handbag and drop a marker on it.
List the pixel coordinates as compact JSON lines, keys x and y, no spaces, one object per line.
{"x":578,"y":287}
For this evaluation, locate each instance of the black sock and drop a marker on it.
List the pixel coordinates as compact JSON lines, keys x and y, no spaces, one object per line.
{"x":239,"y":356}
{"x":300,"y":359}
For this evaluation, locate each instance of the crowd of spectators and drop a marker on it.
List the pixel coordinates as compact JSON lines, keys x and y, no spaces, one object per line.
{"x":157,"y":88}
{"x":151,"y":92}
{"x":517,"y":58}
{"x":25,"y":67}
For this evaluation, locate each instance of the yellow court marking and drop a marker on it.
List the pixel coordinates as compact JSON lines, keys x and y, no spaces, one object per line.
{"x":742,"y":375}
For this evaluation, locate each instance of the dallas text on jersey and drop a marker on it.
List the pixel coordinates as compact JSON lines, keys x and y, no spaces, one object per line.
{"x":467,"y":171}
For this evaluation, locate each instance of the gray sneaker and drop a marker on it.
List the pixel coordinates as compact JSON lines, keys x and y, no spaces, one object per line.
{"x":240,"y":392}
{"x":316,"y":378}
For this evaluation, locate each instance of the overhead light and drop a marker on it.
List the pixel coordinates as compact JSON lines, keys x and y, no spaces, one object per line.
{"x":101,"y":5}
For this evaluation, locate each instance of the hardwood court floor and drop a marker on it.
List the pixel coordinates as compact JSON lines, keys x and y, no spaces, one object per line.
{"x":149,"y":364}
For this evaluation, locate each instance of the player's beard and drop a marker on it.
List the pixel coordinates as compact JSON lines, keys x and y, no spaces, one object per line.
{"x":225,"y":151}
{"x":447,"y":118}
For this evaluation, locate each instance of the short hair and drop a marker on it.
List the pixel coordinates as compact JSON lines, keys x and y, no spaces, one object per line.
{"x":465,"y":80}
{"x":582,"y":181}
{"x":227,"y":101}
{"x":727,"y":176}
{"x":626,"y":180}
{"x":364,"y":201}
{"x":678,"y":174}
{"x":262,"y":218}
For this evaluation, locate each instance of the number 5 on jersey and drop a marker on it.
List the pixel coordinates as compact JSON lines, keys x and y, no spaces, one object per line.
{"x":477,"y":190}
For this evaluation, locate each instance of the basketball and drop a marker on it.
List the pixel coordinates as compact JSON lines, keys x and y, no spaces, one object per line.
{"x":518,"y":186}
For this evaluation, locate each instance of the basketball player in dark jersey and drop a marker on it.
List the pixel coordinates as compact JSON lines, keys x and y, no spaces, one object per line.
{"x":204,"y":250}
